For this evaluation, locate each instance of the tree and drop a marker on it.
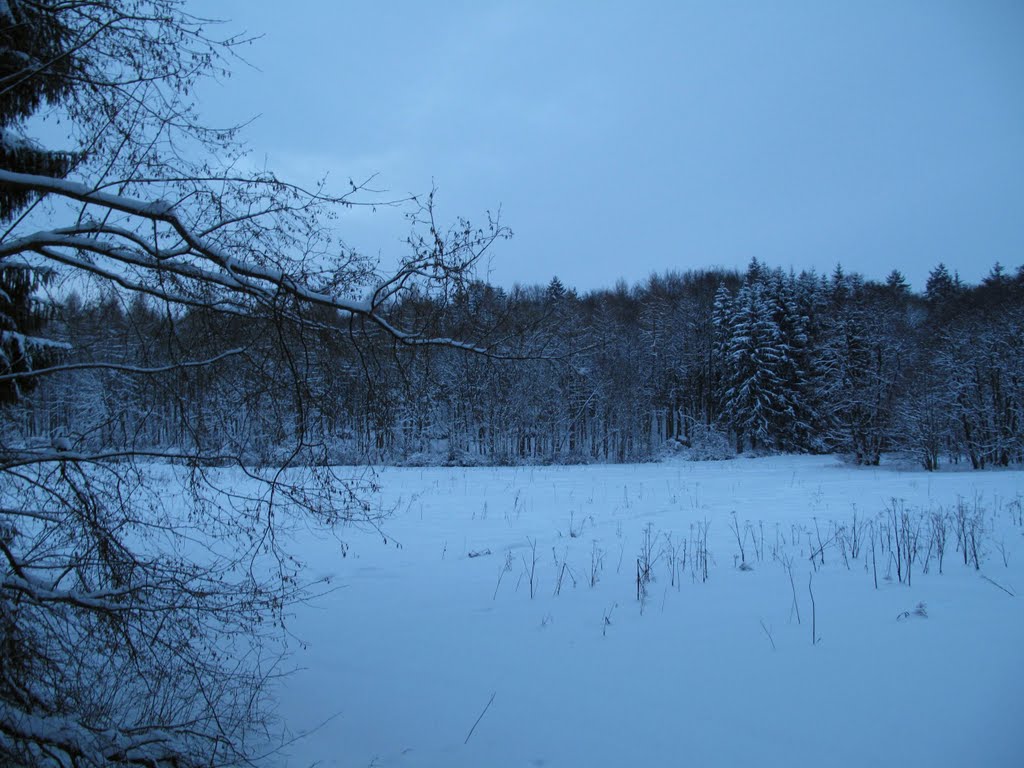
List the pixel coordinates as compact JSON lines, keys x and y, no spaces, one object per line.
{"x":941,"y":287}
{"x":722,"y":311}
{"x":982,"y":371}
{"x":35,"y":67}
{"x":134,"y":631}
{"x":863,"y":357}
{"x":925,"y":417}
{"x":30,"y":37}
{"x":756,"y":405}
{"x":896,"y":284}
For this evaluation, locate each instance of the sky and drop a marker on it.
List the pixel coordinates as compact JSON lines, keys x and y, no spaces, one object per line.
{"x":624,"y":139}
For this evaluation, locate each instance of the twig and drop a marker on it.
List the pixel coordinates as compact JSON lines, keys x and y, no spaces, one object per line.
{"x":278,"y":748}
{"x":796,"y":605}
{"x":994,"y":584}
{"x":814,"y":615}
{"x":480,"y":718}
{"x":770,"y":640}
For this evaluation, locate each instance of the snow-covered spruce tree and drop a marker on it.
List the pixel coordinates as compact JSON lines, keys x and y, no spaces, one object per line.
{"x":28,"y":39}
{"x":756,"y":404}
{"x":795,"y":432}
{"x":812,"y":307}
{"x":941,"y":288}
{"x":139,"y":626}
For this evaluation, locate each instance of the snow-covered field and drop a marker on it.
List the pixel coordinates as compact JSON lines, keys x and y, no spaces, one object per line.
{"x":718,"y":672}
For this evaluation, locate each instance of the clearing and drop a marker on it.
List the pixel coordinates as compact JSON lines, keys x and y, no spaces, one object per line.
{"x":715,"y":669}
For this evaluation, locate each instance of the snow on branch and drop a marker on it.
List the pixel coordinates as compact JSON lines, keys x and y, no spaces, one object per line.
{"x":22,"y":341}
{"x":131,"y":369}
{"x":195,"y":263}
{"x":94,"y":746}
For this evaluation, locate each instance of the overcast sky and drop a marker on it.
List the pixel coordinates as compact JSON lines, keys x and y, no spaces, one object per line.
{"x":621,"y":139}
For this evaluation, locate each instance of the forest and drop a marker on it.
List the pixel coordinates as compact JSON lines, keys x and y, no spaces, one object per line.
{"x":200,"y":381}
{"x":706,"y":362}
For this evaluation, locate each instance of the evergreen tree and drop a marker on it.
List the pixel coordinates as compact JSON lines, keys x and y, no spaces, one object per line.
{"x":795,"y":431}
{"x":755,"y":403}
{"x":839,"y":286}
{"x":941,"y":286}
{"x":812,"y":303}
{"x":996,"y":288}
{"x":896,"y":285}
{"x":997,"y":276}
{"x":32,"y":39}
{"x":555,"y":290}
{"x":36,"y":67}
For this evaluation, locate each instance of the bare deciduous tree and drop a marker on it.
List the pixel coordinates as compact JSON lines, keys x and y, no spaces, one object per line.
{"x":134,"y":628}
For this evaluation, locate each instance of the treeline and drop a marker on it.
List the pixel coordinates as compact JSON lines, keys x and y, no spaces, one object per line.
{"x":706,"y":362}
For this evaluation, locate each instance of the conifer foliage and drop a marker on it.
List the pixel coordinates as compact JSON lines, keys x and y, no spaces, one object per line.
{"x":32,"y":39}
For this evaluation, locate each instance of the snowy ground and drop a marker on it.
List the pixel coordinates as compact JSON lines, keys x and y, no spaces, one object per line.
{"x":409,"y":652}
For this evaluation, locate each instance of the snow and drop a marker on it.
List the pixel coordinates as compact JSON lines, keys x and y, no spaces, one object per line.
{"x":153,"y":747}
{"x":403,"y":658}
{"x":10,"y":140}
{"x":22,"y":341}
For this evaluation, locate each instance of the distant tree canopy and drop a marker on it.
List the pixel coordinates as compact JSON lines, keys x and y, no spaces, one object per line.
{"x":765,"y":361}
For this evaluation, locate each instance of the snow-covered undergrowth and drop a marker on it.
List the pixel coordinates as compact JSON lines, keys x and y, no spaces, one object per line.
{"x":735,"y":666}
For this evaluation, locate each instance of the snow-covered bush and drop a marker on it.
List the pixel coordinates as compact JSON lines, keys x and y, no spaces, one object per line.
{"x":706,"y":443}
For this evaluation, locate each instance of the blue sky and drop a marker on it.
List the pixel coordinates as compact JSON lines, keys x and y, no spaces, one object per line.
{"x":621,"y":139}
